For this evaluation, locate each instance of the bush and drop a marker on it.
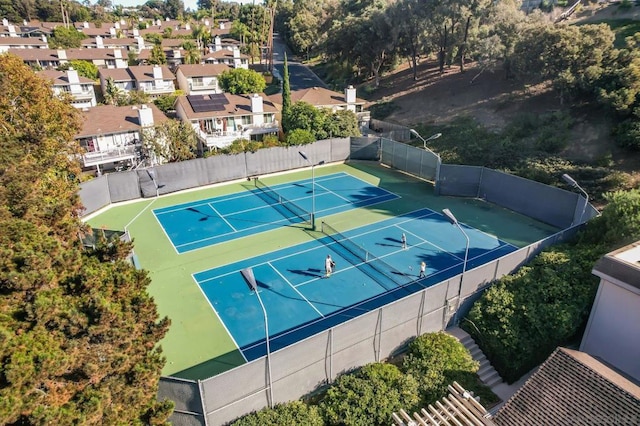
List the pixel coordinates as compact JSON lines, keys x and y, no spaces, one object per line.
{"x":369,"y":396}
{"x":290,"y":414}
{"x":436,"y":360}
{"x":627,"y":134}
{"x":523,"y":317}
{"x":300,"y":137}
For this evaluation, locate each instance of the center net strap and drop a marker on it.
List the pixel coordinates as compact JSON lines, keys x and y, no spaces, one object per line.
{"x":385,"y":272}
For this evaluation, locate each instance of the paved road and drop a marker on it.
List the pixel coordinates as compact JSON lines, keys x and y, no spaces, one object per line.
{"x":300,"y":76}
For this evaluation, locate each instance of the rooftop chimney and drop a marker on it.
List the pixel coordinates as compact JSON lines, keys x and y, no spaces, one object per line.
{"x":62,"y":54}
{"x":72,"y":76}
{"x":85,"y":24}
{"x":5,"y":22}
{"x":157,"y":72}
{"x":145,"y":116}
{"x":136,"y":32}
{"x":222,"y":25}
{"x":256,"y":103}
{"x":350,"y":95}
{"x":99,"y":42}
{"x":117,"y":53}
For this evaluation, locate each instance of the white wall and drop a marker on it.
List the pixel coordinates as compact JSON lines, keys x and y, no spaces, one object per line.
{"x":613,"y":330}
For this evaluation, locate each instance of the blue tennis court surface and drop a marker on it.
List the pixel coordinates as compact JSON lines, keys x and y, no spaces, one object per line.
{"x":202,"y":223}
{"x":300,"y":301}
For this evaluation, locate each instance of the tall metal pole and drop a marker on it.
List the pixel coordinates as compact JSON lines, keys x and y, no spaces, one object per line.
{"x":248,"y":276}
{"x":455,"y":222}
{"x":571,"y":181}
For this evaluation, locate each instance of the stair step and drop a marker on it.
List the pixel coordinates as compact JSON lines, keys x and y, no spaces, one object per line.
{"x":495,"y":381}
{"x":466,"y":341}
{"x":488,"y":376}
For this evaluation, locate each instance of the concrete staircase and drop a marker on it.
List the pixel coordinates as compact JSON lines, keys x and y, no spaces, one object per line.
{"x":486,"y":372}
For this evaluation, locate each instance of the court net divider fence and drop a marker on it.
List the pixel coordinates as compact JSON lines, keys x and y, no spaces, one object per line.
{"x":292,"y":207}
{"x":371,"y":262}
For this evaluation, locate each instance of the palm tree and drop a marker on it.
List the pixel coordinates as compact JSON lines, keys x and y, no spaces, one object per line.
{"x":191,"y":54}
{"x":201,"y":34}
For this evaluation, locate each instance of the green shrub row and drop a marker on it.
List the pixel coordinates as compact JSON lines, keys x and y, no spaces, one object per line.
{"x":369,"y":395}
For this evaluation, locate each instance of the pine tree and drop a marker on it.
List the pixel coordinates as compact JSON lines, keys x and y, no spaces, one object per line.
{"x":286,"y":96}
{"x":78,"y":330}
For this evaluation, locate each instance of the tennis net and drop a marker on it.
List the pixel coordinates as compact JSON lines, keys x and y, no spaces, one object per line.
{"x":371,"y":262}
{"x":293,"y":208}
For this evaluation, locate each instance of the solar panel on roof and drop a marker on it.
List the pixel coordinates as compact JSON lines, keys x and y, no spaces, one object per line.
{"x":207,"y":103}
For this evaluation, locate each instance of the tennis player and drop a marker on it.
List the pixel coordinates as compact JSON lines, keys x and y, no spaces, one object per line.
{"x":329,"y":264}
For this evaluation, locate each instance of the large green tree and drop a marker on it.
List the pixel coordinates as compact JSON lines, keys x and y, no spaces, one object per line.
{"x":78,"y":330}
{"x":286,"y":96}
{"x":170,"y":141}
{"x":65,"y":38}
{"x":241,"y":81}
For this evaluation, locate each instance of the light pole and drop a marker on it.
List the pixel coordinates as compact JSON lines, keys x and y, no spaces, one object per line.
{"x":152,"y":175}
{"x":424,"y":141}
{"x":574,"y":184}
{"x":250,"y":279}
{"x":313,"y":189}
{"x":455,"y":222}
{"x":424,"y":144}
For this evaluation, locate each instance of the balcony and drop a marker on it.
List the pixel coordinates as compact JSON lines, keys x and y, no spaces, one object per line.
{"x":222,"y":139}
{"x":201,"y":87}
{"x":158,"y":88}
{"x":111,"y":156}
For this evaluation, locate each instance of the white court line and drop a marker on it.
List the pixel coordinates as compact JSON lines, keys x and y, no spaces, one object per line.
{"x":222,"y":217}
{"x":335,"y":193}
{"x":294,"y":288}
{"x":219,"y":318}
{"x":141,"y":211}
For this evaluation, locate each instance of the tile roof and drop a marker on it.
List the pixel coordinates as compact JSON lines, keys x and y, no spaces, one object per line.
{"x":145,"y":72}
{"x":23,"y":41}
{"x":573,"y":388}
{"x":202,"y":70}
{"x":60,"y":78}
{"x":117,"y":74}
{"x":237,"y":105}
{"x":317,"y":96}
{"x":110,"y":119}
{"x":52,"y":54}
{"x":107,"y":41}
{"x":223,"y":54}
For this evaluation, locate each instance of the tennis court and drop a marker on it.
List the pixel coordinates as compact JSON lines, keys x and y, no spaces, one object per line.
{"x":371,"y":204}
{"x":202,"y":223}
{"x":373,"y":269}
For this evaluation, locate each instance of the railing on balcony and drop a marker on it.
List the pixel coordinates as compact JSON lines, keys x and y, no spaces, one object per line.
{"x":195,"y":87}
{"x":101,"y":157}
{"x":159,"y":88}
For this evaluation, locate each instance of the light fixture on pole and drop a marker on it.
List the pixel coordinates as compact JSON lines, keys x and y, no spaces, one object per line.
{"x":452,"y":219}
{"x":152,"y":175}
{"x":571,"y":181}
{"x":424,"y":141}
{"x":250,"y":279}
{"x":313,"y":189}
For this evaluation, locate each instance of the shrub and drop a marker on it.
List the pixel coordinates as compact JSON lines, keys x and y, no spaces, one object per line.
{"x":289,"y":414}
{"x":300,"y":137}
{"x":369,"y":396}
{"x":436,"y":360}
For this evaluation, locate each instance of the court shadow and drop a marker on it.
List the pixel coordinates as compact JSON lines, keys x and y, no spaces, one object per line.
{"x":204,"y":217}
{"x":311,"y":272}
